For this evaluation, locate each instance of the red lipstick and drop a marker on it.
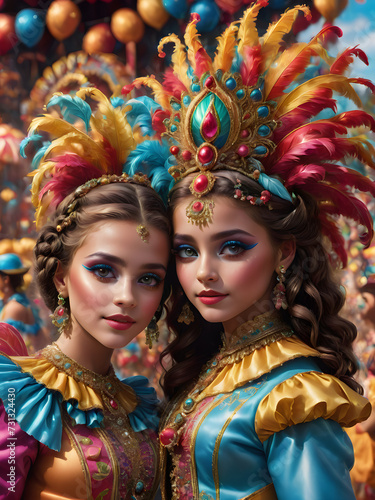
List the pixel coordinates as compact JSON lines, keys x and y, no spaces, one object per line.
{"x":210,"y":297}
{"x":119,"y":321}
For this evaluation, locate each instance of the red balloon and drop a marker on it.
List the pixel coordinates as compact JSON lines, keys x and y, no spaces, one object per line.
{"x":99,"y":39}
{"x":8,"y":37}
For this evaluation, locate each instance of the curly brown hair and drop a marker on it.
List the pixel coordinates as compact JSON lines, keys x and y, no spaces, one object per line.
{"x":118,"y":201}
{"x":314,"y":296}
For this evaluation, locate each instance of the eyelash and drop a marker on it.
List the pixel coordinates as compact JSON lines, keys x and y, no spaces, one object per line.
{"x":177,"y":251}
{"x":94,"y":269}
{"x":154,"y":276}
{"x":235,"y":243}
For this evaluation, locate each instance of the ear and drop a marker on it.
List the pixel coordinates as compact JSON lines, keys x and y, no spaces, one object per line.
{"x":287,"y":252}
{"x":59,"y":281}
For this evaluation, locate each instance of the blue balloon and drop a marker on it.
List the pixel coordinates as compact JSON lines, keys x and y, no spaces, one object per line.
{"x":29,"y":26}
{"x":209,"y":13}
{"x":176,"y":8}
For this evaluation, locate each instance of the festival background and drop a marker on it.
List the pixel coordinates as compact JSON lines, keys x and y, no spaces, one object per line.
{"x":58,"y":46}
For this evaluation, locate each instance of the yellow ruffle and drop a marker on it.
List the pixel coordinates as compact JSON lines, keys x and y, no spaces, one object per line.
{"x":306,"y":397}
{"x":44,"y":372}
{"x":258,"y":363}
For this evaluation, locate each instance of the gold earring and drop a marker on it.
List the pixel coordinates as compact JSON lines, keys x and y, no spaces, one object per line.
{"x":152,"y":332}
{"x":279,"y":291}
{"x":186,"y":315}
{"x":60,"y":316}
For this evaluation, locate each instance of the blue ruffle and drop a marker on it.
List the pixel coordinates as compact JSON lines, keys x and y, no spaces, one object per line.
{"x":145,"y":416}
{"x":38,"y":409}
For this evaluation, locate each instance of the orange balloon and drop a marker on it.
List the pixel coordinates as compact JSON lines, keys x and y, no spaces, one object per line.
{"x":153,"y":13}
{"x":99,"y":39}
{"x":330,"y":9}
{"x":63,"y":18}
{"x":127,"y":26}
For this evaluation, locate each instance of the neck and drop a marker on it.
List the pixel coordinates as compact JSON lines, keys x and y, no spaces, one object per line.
{"x":86,"y":351}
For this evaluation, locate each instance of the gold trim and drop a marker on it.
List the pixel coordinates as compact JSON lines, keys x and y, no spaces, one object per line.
{"x":215,"y":459}
{"x":266,"y":493}
{"x":194,"y":476}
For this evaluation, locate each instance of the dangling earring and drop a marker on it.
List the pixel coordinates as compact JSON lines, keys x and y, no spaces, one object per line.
{"x":60,"y":316}
{"x":152,"y":331}
{"x":279,"y":291}
{"x":186,"y":315}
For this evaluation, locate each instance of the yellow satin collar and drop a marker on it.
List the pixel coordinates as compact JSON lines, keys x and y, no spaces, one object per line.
{"x":256,"y":364}
{"x":52,"y":377}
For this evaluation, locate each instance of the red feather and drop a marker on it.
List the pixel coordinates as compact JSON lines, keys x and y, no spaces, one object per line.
{"x":172,"y":84}
{"x":203,"y":62}
{"x":72,"y":171}
{"x":346,"y":58}
{"x":305,"y":173}
{"x":331,"y":231}
{"x":250,"y":66}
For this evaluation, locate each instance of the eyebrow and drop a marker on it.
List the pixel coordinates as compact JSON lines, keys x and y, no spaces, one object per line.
{"x":215,"y":237}
{"x":122,"y":262}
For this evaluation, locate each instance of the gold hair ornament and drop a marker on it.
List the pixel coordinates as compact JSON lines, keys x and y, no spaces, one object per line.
{"x":143,"y":232}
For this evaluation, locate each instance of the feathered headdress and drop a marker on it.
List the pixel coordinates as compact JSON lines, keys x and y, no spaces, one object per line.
{"x":249,"y":110}
{"x":82,"y":156}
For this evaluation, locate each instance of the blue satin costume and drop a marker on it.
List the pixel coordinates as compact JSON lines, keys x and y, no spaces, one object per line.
{"x":269,"y":426}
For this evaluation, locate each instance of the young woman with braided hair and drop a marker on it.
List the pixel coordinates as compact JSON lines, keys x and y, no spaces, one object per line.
{"x":101,"y":258}
{"x":259,"y":372}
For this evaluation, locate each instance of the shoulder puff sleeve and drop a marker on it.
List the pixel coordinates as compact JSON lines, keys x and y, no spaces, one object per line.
{"x":306,"y":397}
{"x":145,"y":415}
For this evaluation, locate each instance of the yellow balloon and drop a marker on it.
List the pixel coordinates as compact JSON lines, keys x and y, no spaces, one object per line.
{"x":62,"y":19}
{"x":127,"y":26}
{"x":330,"y":9}
{"x":153,"y":13}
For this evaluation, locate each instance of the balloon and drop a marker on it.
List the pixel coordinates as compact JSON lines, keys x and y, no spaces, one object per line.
{"x":330,"y":9}
{"x":176,"y":8}
{"x":8,"y":37}
{"x":209,"y":13}
{"x":230,"y":6}
{"x":99,"y":39}
{"x":127,"y":26}
{"x":29,"y":25}
{"x":63,"y":18}
{"x":153,"y":13}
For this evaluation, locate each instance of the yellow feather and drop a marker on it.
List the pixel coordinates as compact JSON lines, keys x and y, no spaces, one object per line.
{"x":304,"y":92}
{"x":180,"y":66}
{"x":225,"y":49}
{"x":157,"y":89}
{"x":41,"y":211}
{"x":276,"y":31}
{"x":38,"y":178}
{"x":247,"y":33}
{"x":56,"y":127}
{"x":192,"y":42}
{"x":110,"y":122}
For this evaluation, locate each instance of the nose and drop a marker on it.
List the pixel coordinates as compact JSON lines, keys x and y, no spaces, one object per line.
{"x":206,"y":271}
{"x":124,"y":294}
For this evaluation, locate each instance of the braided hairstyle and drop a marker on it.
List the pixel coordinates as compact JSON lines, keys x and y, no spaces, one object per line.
{"x":118,"y":201}
{"x":314,"y":296}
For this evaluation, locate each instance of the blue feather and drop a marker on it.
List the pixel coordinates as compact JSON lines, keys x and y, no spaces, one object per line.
{"x":236,"y":62}
{"x":38,"y":156}
{"x":274,"y":186}
{"x":72,"y":108}
{"x":141,"y":114}
{"x":35,"y":138}
{"x":153,"y":159}
{"x":117,"y":102}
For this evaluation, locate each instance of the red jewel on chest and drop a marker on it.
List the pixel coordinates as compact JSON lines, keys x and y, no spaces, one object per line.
{"x":200,"y":183}
{"x":167,"y":436}
{"x":113,"y":404}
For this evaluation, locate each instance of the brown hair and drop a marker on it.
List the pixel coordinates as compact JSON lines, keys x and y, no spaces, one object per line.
{"x":118,"y":201}
{"x":16,"y":281}
{"x":313,"y":295}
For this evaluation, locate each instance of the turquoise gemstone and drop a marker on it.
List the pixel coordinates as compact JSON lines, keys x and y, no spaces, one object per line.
{"x":256,"y":95}
{"x":263,"y":111}
{"x":189,"y":403}
{"x":178,"y":418}
{"x":79,"y":373}
{"x":195,"y":87}
{"x":214,"y":363}
{"x":186,"y":100}
{"x":176,"y":119}
{"x":240,"y":93}
{"x":67,"y":365}
{"x":260,"y":150}
{"x":173,"y":128}
{"x":57,"y":356}
{"x":231,"y":83}
{"x":176,"y":105}
{"x":139,"y":487}
{"x":264,"y":130}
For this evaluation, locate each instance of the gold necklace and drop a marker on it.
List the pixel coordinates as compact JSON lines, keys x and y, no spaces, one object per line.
{"x":252,"y":335}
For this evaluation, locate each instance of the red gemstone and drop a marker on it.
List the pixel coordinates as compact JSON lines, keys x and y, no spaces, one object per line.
{"x":243,"y":150}
{"x":186,"y":155}
{"x":244,"y":133}
{"x":113,"y":404}
{"x":60,"y":312}
{"x":197,"y":206}
{"x":210,"y":82}
{"x":205,"y":155}
{"x":167,"y":436}
{"x":174,"y":150}
{"x":200,"y":183}
{"x":209,"y":125}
